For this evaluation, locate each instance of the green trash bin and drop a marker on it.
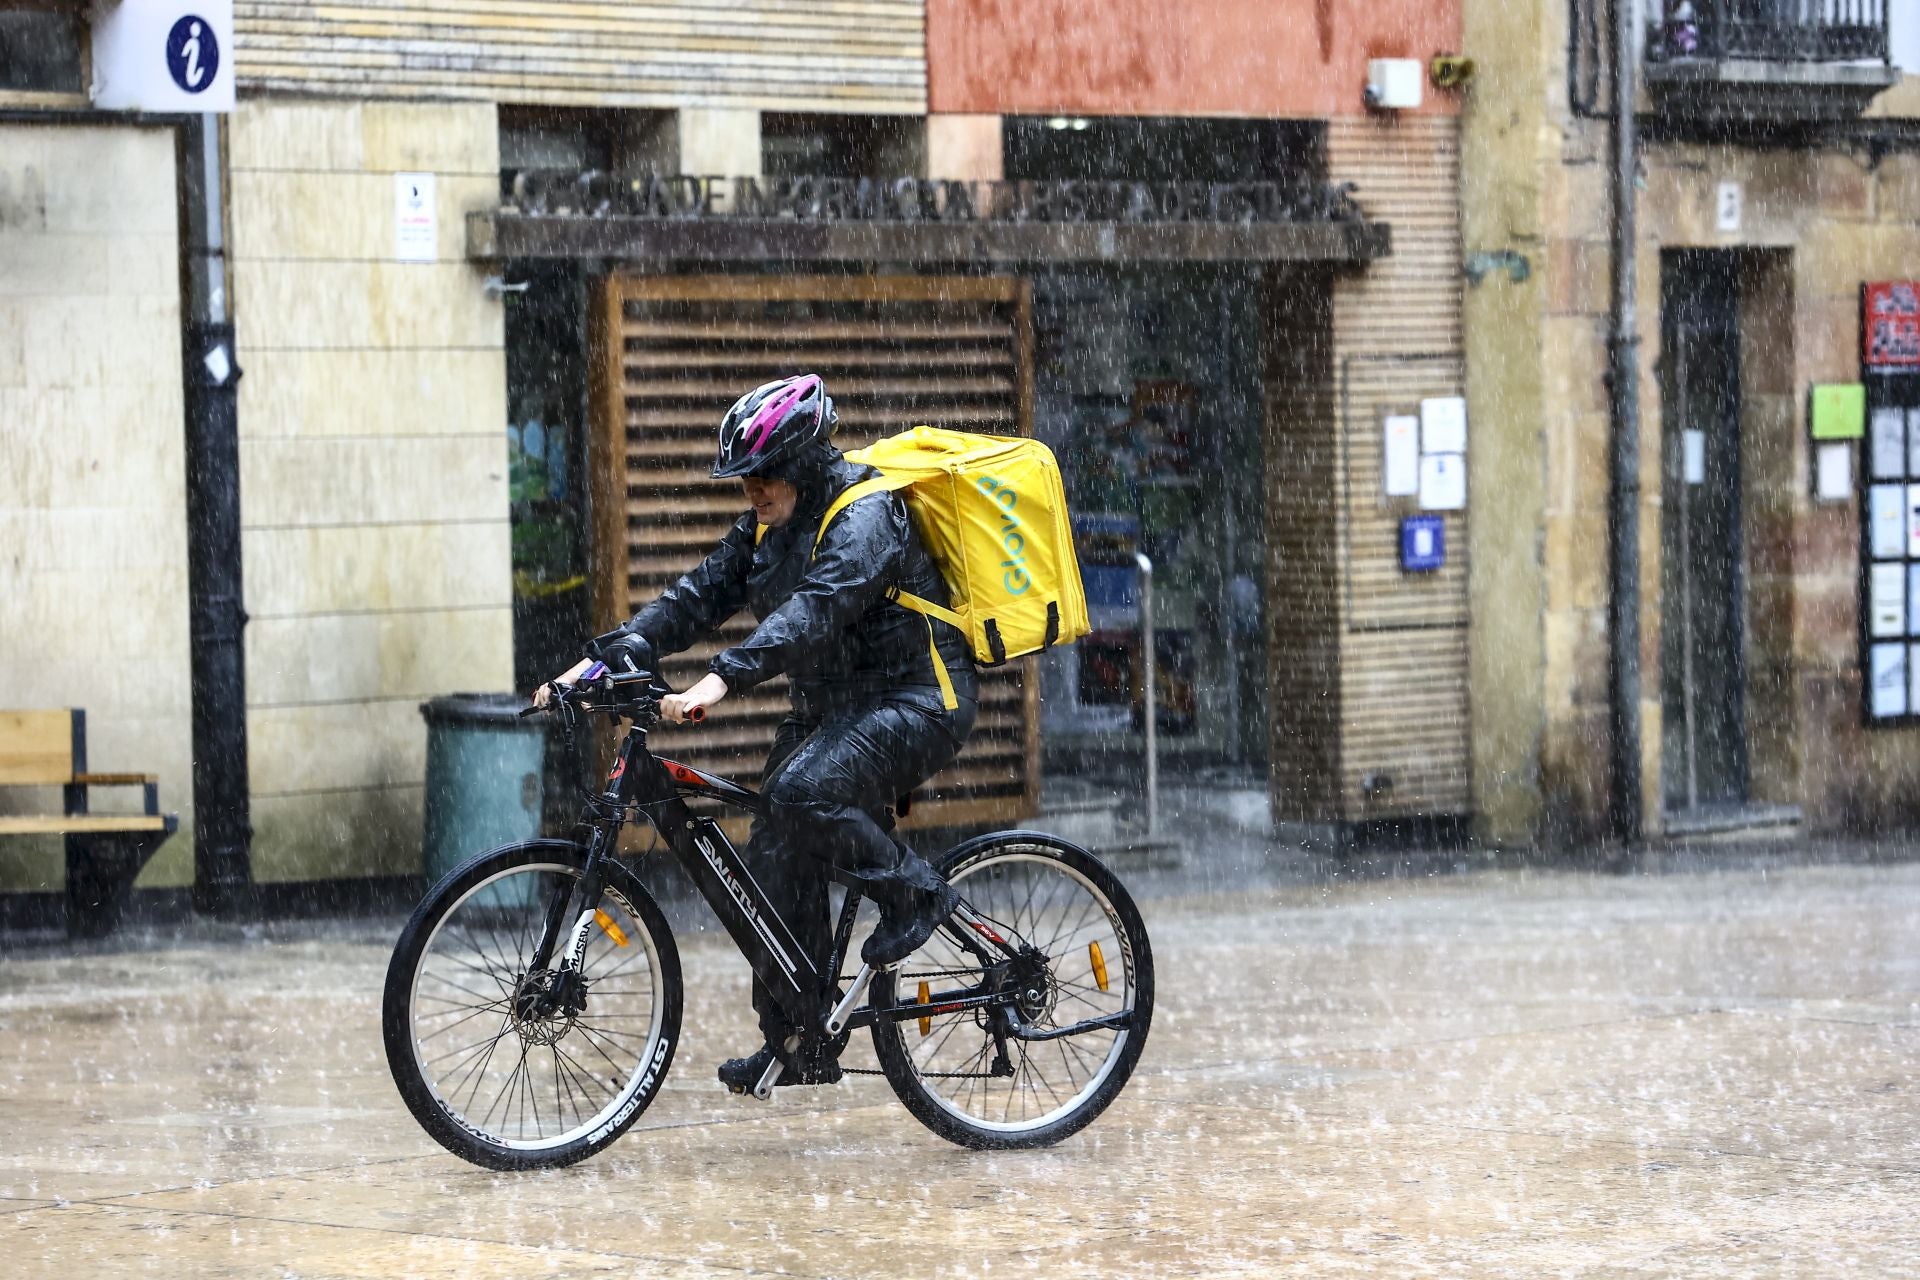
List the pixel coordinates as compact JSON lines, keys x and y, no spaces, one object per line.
{"x":484,"y":768}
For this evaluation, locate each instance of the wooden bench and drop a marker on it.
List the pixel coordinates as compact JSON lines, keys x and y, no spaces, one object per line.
{"x":104,"y":851}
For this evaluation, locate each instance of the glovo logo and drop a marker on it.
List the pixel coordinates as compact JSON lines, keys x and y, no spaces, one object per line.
{"x":1014,"y":542}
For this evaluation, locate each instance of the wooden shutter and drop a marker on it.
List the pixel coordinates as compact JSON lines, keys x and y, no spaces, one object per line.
{"x":895,"y":352}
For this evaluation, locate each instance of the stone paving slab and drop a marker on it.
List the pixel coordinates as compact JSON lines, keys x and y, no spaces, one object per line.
{"x":1524,"y":1074}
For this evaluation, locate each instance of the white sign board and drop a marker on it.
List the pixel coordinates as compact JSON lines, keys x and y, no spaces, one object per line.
{"x":1443,"y":425}
{"x":1402,"y":453}
{"x":163,"y":55}
{"x":416,"y":230}
{"x":1887,"y":674}
{"x":1693,"y":459}
{"x":1443,"y":481}
{"x":1887,"y":604}
{"x":1726,"y":206}
{"x":1834,"y":471}
{"x":1887,"y":520}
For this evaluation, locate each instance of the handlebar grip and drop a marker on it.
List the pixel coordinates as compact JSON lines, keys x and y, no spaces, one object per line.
{"x":530,"y":711}
{"x":696,"y":714}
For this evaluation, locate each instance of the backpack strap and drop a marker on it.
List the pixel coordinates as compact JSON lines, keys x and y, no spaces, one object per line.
{"x":850,"y":495}
{"x":926,"y":608}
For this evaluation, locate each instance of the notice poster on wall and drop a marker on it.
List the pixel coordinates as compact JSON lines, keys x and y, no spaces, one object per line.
{"x":1887,"y":521}
{"x":1888,"y":676}
{"x":1887,"y":605}
{"x":1401,"y":449}
{"x":1443,"y":481}
{"x":1889,"y":444}
{"x":1443,"y":425}
{"x":1913,"y":521}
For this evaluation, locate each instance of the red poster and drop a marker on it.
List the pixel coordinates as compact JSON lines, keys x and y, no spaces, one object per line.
{"x":1891,"y":332}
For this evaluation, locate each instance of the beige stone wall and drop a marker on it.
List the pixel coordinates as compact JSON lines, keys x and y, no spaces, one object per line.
{"x":1816,"y":224}
{"x":373,"y":469}
{"x":93,"y":549}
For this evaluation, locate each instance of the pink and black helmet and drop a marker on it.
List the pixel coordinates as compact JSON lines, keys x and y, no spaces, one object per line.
{"x":769,"y":425}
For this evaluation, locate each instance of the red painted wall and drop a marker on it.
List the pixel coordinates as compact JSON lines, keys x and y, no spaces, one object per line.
{"x":1300,"y":58}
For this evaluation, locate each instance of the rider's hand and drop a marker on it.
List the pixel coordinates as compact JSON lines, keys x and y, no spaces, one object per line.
{"x":708,"y":691}
{"x":572,"y":673}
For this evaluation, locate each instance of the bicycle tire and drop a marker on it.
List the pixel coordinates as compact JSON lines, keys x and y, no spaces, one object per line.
{"x":499,"y":872}
{"x":914,"y":1082}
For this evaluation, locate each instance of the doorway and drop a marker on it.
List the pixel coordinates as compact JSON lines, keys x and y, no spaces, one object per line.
{"x":1703,"y":640}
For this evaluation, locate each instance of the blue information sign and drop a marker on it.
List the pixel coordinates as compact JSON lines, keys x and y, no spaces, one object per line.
{"x":1423,"y":543}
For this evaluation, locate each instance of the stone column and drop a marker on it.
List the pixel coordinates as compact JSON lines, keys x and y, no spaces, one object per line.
{"x":964,"y":148}
{"x":718,"y":141}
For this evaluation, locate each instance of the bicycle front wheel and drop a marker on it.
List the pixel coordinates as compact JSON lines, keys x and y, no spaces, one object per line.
{"x":1096,"y":975}
{"x":493,"y":1072}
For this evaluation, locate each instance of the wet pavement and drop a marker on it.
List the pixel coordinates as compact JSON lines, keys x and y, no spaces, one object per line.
{"x":1501,"y":1073}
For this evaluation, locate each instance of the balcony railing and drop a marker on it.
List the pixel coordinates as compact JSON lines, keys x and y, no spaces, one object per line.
{"x":1794,"y":31}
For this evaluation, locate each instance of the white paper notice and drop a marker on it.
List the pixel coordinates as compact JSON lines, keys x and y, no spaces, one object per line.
{"x":1913,"y":521}
{"x":1887,"y":520}
{"x":416,"y":229}
{"x":1693,"y":457}
{"x":1913,"y":599}
{"x":1889,"y":676}
{"x":1401,"y":452}
{"x":1443,"y":482}
{"x":1443,"y":425}
{"x":1886,"y":595}
{"x":1833,"y":468}
{"x":1889,"y":444}
{"x":1913,"y":442}
{"x":1913,"y":676}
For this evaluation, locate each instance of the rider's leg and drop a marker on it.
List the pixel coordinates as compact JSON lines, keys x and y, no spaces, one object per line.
{"x":831,"y":800}
{"x":787,"y":880}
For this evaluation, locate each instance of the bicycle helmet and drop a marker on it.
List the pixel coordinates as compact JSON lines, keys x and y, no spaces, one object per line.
{"x":770,"y":427}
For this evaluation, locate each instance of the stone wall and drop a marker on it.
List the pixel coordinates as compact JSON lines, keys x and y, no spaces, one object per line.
{"x":373,"y":460}
{"x":93,"y":542}
{"x":1816,"y":223}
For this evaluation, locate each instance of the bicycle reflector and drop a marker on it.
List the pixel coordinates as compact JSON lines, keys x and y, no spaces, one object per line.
{"x":619,"y":936}
{"x":926,"y":997}
{"x":1099,"y":964}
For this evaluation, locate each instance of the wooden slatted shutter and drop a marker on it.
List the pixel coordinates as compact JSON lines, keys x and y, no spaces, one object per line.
{"x":895,"y":352}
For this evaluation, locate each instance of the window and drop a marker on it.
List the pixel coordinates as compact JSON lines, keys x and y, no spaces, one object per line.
{"x":794,"y":144}
{"x":1903,"y":34}
{"x":42,"y":51}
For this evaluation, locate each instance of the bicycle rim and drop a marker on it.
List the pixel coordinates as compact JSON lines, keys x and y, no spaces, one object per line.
{"x":533,"y":1086}
{"x":1091,"y":969}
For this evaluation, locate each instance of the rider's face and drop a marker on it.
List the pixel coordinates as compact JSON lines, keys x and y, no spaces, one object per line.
{"x":772,"y":499}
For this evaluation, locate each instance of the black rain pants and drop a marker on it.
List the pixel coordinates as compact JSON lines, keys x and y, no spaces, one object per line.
{"x":829,"y":784}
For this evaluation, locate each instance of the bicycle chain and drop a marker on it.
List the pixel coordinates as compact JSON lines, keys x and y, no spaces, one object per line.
{"x":927,"y":973}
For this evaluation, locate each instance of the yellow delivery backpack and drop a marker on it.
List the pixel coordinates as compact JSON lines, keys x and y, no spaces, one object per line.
{"x":993,"y":514}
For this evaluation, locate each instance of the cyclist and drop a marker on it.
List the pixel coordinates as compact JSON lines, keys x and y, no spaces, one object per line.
{"x":868,"y":721}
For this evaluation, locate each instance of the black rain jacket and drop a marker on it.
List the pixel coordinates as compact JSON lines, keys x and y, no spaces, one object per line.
{"x":826,"y":621}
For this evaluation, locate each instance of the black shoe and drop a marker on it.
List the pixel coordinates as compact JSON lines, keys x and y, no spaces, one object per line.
{"x":742,"y":1074}
{"x":900,"y":934}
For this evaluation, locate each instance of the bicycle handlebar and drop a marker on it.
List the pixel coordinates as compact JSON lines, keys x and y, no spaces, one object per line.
{"x":584,"y":693}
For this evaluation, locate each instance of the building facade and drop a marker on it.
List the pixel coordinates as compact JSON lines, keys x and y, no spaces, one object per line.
{"x":495,"y":269}
{"x":1775,"y":179}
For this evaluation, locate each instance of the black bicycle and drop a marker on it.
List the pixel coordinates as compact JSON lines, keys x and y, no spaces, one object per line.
{"x":533,"y":1002}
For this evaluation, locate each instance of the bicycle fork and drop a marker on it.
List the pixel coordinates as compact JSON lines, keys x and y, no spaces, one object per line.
{"x":567,"y":991}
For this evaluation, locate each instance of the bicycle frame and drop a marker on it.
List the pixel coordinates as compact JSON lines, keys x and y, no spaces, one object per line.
{"x":640,"y":781}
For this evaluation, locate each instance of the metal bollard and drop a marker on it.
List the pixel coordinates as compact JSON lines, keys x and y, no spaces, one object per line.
{"x":1151,"y":706}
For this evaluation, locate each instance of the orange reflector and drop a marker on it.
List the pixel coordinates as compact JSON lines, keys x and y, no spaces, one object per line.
{"x":926,"y":997}
{"x":1099,"y":964}
{"x":619,"y":935}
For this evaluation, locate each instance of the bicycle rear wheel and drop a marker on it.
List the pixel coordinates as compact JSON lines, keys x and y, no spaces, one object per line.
{"x":1098,"y":965}
{"x":487,"y":1078}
